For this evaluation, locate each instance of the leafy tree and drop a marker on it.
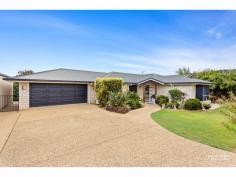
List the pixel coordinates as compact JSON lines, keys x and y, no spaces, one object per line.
{"x":183,"y":71}
{"x":176,"y":96}
{"x":25,"y":72}
{"x":223,"y":81}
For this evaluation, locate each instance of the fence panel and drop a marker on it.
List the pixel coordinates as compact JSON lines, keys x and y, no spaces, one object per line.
{"x":7,"y":104}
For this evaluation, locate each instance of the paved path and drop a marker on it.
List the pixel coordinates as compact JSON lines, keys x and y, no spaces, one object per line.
{"x":85,"y":135}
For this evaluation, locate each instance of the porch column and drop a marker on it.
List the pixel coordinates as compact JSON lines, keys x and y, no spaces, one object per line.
{"x":155,"y":89}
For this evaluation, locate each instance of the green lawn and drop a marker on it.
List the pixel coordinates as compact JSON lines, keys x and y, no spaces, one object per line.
{"x":204,"y":127}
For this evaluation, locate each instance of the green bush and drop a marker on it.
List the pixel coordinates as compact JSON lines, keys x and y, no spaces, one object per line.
{"x":193,"y":104}
{"x":206,"y":106}
{"x":116,"y":103}
{"x":116,"y":99}
{"x":105,"y":85}
{"x":213,"y":99}
{"x":170,"y":105}
{"x":16,"y":91}
{"x":132,"y":100}
{"x":162,"y":99}
{"x":176,"y":95}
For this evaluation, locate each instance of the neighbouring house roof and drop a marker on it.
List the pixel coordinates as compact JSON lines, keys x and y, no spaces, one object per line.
{"x":70,"y":75}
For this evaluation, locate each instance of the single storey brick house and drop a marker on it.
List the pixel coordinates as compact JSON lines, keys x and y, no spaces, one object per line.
{"x":66,"y":86}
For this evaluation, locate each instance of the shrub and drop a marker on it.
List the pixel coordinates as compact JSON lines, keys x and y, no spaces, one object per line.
{"x":193,"y":104}
{"x":116,"y":99}
{"x":232,"y":97}
{"x":229,"y":109}
{"x":213,"y":99}
{"x":105,"y":85}
{"x":170,"y":105}
{"x":116,"y":103}
{"x":206,"y":105}
{"x":220,"y":101}
{"x":162,"y":99}
{"x":176,"y":95}
{"x":132,"y":100}
{"x":16,"y":91}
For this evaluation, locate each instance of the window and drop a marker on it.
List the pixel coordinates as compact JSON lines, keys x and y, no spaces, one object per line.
{"x":133,"y":88}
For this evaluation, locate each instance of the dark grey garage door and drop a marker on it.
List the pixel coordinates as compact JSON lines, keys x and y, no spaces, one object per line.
{"x":56,"y":94}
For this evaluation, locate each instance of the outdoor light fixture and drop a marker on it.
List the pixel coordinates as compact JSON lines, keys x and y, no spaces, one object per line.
{"x":24,"y":87}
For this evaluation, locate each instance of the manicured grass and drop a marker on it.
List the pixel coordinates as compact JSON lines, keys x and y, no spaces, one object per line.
{"x":204,"y":127}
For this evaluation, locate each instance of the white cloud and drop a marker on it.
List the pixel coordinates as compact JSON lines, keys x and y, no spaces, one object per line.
{"x":214,"y":33}
{"x":128,"y":65}
{"x":167,"y":61}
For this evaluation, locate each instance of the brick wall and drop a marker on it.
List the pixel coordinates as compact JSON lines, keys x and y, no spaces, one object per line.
{"x":190,"y":90}
{"x":23,"y":95}
{"x":91,"y":94}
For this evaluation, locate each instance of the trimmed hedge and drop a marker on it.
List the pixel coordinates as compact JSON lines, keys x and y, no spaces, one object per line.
{"x":193,"y":104}
{"x":105,"y":85}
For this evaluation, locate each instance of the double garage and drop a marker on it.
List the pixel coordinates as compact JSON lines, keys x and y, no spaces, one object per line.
{"x":45,"y":94}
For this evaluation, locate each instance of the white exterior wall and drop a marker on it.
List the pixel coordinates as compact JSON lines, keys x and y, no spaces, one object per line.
{"x":189,"y":90}
{"x":24,"y":95}
{"x":140,"y":89}
{"x":6,"y":87}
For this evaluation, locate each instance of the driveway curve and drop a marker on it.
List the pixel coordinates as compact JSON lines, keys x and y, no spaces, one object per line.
{"x":87,"y":136}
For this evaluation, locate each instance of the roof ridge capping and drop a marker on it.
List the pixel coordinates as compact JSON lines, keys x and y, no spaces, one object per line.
{"x":81,"y":70}
{"x":46,"y":71}
{"x":127,"y":73}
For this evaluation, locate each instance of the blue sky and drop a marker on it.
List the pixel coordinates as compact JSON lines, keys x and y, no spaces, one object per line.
{"x":126,"y":41}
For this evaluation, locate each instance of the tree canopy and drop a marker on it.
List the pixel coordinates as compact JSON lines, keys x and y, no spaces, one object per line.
{"x":223,"y":81}
{"x":24,"y":72}
{"x":183,"y":71}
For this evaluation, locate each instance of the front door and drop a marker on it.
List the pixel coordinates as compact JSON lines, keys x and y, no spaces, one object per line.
{"x":147,"y":93}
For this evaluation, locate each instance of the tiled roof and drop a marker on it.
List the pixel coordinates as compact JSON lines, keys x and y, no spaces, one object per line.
{"x":69,"y":75}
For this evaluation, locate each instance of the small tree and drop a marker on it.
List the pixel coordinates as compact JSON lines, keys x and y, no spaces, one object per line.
{"x":175,"y":95}
{"x":162,"y":100}
{"x":103,"y":86}
{"x":25,"y":72}
{"x":183,"y":71}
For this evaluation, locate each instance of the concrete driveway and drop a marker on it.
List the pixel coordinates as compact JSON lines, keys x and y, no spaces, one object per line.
{"x":86,"y":135}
